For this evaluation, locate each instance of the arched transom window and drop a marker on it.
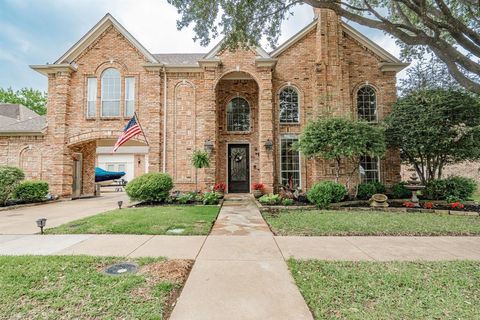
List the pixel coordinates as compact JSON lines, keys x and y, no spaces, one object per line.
{"x":288,"y":105}
{"x":367,"y":104}
{"x":238,"y":115}
{"x":111,"y":93}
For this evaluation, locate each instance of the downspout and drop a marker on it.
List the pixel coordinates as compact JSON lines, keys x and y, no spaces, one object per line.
{"x":164,"y":161}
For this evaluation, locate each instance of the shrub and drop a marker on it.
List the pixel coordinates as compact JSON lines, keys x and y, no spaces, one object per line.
{"x":326,"y":192}
{"x":269,"y":199}
{"x":400,"y":192}
{"x":31,"y":191}
{"x":10,"y":177}
{"x":210,"y":198}
{"x":189,"y":197}
{"x":367,"y":189}
{"x":451,"y":187}
{"x":287,"y":202}
{"x":150,"y":187}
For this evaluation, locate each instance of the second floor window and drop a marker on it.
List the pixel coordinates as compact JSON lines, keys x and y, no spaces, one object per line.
{"x":288,"y":105}
{"x":111,"y":93}
{"x":129,"y":96}
{"x":91,"y":97}
{"x":238,"y":115}
{"x":367,"y":104}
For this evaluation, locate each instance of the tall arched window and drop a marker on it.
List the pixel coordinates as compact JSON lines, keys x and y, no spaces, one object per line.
{"x":367,"y":104}
{"x":238,"y":115}
{"x":111,"y":93}
{"x":288,"y":105}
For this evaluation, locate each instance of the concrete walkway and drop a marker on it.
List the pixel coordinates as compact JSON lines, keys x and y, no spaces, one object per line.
{"x":22,"y":220}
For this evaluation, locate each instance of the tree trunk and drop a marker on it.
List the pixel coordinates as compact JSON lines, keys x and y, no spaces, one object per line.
{"x":337,"y":169}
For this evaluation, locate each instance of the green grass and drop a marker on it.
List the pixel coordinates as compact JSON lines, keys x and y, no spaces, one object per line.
{"x":196,"y":220}
{"x":476,"y":197}
{"x":322,"y":223}
{"x":393,"y":290}
{"x":60,"y":287}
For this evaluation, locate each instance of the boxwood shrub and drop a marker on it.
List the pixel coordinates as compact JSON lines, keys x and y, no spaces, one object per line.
{"x":367,"y":189}
{"x":10,"y":177}
{"x":150,"y":187}
{"x":399,"y":191}
{"x":451,"y":187}
{"x":326,"y":192}
{"x":31,"y":191}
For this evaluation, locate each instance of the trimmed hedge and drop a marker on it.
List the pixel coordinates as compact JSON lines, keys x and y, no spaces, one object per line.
{"x":367,"y":189}
{"x":31,"y":191}
{"x":10,"y":177}
{"x":399,"y":191}
{"x":326,"y":192}
{"x":150,"y":187}
{"x":451,"y":187}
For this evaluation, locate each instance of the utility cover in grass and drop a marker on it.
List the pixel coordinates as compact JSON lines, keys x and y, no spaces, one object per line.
{"x":175,"y":231}
{"x":121,"y":268}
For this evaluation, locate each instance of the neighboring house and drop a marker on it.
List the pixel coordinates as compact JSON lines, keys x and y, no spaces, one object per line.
{"x":245,"y":107}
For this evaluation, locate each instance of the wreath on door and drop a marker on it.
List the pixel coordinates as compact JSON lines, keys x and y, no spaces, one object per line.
{"x":237,"y":155}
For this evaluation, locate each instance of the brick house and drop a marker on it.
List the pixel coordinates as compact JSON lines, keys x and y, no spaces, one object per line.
{"x":246,"y":107}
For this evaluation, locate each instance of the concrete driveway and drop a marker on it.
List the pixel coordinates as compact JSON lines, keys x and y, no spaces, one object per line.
{"x":22,"y":220}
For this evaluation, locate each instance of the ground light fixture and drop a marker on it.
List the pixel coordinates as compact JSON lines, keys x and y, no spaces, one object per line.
{"x":41,"y":224}
{"x":120,"y":203}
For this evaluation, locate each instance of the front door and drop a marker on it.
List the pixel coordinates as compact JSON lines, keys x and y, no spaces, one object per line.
{"x":238,"y":168}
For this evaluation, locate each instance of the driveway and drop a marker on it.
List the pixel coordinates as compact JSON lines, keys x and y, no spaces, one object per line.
{"x":22,"y":220}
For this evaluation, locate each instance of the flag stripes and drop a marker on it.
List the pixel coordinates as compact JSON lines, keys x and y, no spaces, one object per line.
{"x":131,"y":130}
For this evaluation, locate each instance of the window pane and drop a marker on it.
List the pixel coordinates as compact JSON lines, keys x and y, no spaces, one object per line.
{"x":121,"y":167}
{"x":290,"y":162}
{"x":110,"y":167}
{"x":91,"y":97}
{"x":129,"y":96}
{"x":289,"y":105}
{"x":369,"y":171}
{"x":367,"y":104}
{"x":111,"y":89}
{"x":238,"y":115}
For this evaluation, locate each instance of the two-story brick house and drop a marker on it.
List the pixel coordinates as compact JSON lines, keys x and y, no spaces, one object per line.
{"x":246,"y":107}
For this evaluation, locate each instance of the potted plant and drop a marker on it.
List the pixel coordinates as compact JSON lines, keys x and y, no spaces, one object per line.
{"x":200,"y":159}
{"x":258,"y":189}
{"x":219,"y":189}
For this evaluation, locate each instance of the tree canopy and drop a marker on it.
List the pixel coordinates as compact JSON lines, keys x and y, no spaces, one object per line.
{"x":341,"y":138}
{"x":433,"y":128}
{"x":30,"y":98}
{"x":450,"y":29}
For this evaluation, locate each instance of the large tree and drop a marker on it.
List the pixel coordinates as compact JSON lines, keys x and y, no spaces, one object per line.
{"x":342,"y":139}
{"x":30,"y":98}
{"x":433,"y":128}
{"x":448,"y":28}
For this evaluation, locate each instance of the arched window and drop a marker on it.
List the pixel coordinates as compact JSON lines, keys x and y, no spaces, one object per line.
{"x":111,"y":93}
{"x":288,"y":105}
{"x":367,"y":104}
{"x":238,"y":115}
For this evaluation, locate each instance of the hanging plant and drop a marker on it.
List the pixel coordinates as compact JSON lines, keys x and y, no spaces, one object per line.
{"x":200,"y":159}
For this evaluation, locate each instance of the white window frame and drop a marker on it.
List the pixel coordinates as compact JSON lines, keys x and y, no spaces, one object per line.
{"x":280,"y":108}
{"x":112,"y":88}
{"x":290,"y":137}
{"x":130,"y":87}
{"x":378,"y":170}
{"x":91,"y":97}
{"x":376,"y":103}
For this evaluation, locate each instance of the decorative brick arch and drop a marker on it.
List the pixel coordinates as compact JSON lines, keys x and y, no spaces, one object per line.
{"x":90,"y":136}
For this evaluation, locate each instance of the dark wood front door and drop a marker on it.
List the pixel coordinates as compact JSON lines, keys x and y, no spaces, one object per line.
{"x":238,"y":168}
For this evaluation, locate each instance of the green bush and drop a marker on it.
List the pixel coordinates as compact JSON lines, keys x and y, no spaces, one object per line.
{"x":287,"y":202}
{"x":451,"y":187}
{"x":399,"y":191}
{"x":210,"y":198}
{"x":326,"y":192}
{"x":367,"y":189}
{"x":31,"y":191}
{"x":269,"y":199}
{"x":10,"y":177}
{"x":150,"y":187}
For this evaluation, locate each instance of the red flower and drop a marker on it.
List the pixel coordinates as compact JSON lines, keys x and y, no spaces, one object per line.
{"x":457,"y":205}
{"x":428,"y":205}
{"x":258,"y":186}
{"x":220,"y":187}
{"x":409,"y":204}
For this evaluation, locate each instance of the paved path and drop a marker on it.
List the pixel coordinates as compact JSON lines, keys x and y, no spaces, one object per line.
{"x":22,"y":220}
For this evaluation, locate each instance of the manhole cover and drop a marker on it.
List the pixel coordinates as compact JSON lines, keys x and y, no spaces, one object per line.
{"x":121,"y":268}
{"x":175,"y":231}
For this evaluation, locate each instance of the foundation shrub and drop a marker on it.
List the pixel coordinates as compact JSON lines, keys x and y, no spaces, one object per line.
{"x":451,"y":187}
{"x":399,"y":191}
{"x":10,"y":177}
{"x":367,"y":189}
{"x":270,"y":199}
{"x":150,"y":187}
{"x":326,"y":192}
{"x":31,"y":191}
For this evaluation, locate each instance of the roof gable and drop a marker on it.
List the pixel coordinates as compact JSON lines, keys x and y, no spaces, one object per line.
{"x":107,"y":21}
{"x":260,"y":52}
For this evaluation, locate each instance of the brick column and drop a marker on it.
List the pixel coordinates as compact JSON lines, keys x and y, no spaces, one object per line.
{"x":266,"y":130}
{"x":207,"y":128}
{"x":150,"y":113}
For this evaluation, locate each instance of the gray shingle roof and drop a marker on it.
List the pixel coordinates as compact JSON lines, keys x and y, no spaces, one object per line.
{"x":186,"y":59}
{"x":15,"y":118}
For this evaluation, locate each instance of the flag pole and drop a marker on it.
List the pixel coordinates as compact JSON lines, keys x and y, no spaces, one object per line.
{"x":143,"y":132}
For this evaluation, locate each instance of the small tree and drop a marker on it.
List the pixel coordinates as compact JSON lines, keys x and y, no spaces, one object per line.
{"x":200,"y":159}
{"x":30,"y":98}
{"x":433,"y":128}
{"x":339,"y":138}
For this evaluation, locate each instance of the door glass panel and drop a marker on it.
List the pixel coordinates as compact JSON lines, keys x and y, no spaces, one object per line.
{"x":238,"y":164}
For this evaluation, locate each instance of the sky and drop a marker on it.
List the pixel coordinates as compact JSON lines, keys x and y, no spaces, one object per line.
{"x":40,"y":31}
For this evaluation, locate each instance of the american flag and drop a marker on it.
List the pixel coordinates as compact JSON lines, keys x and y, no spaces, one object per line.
{"x":131,"y":130}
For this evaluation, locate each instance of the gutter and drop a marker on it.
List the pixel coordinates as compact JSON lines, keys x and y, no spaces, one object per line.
{"x":164,"y":161}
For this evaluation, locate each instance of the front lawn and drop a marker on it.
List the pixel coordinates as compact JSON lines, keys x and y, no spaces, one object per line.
{"x":391,"y":290}
{"x":194,"y":220}
{"x":60,"y":287}
{"x":323,"y":223}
